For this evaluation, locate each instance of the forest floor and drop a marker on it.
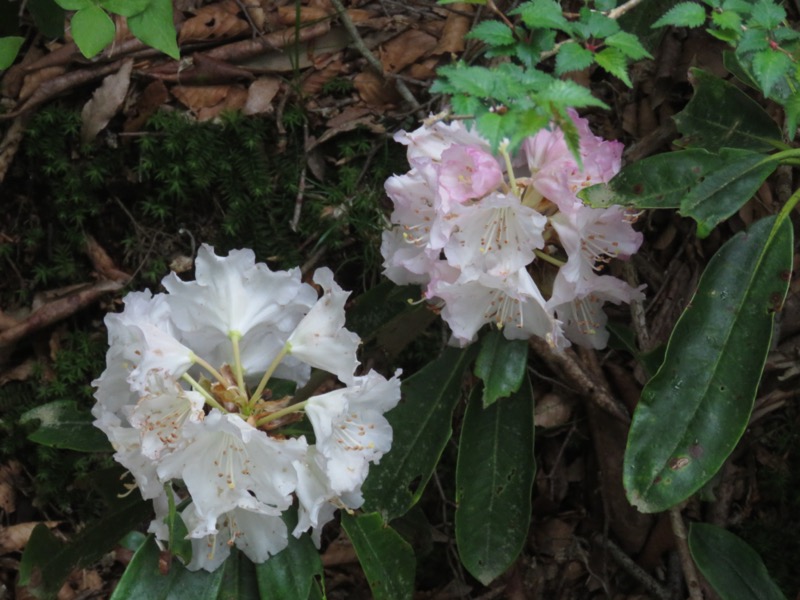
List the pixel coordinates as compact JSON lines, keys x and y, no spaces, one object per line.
{"x":274,"y":132}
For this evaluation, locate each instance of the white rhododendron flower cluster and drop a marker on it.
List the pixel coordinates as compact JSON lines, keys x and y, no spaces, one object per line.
{"x":186,"y":397}
{"x":506,"y":240}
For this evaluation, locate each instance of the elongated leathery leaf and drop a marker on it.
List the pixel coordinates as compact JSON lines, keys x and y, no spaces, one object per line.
{"x":144,"y":579}
{"x":63,"y":425}
{"x":494,"y":477}
{"x":692,"y":413}
{"x":501,"y":365}
{"x":421,"y":425}
{"x":725,"y":190}
{"x":387,"y":559}
{"x":292,"y":572}
{"x":47,"y":561}
{"x":733,"y":568}
{"x":720,"y":115}
{"x":661,"y":181}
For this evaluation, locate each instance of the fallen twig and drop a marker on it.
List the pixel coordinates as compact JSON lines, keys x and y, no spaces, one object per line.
{"x":566,"y":361}
{"x":687,"y":564}
{"x":57,"y":310}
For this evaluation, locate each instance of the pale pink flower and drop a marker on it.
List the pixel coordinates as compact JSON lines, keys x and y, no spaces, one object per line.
{"x":466,"y":173}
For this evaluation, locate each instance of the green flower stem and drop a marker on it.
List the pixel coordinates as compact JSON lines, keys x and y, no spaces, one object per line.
{"x":237,"y":358}
{"x":503,"y":149}
{"x":547,"y":258}
{"x":282,"y":413}
{"x":263,"y":383}
{"x":207,"y":366}
{"x":210,"y":400}
{"x":787,"y":209}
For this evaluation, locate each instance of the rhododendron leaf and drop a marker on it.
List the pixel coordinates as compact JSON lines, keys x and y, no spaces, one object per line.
{"x":720,"y":115}
{"x":500,"y":365}
{"x":293,"y":571}
{"x":733,"y":568}
{"x":63,"y":425}
{"x":387,"y":559}
{"x":725,"y":190}
{"x":47,"y":561}
{"x":661,"y":181}
{"x":494,"y":477}
{"x":694,"y":410}
{"x":422,"y":427}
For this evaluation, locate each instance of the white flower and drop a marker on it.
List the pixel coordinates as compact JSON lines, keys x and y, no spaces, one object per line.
{"x":259,"y":536}
{"x":230,"y":464}
{"x":351,"y":430}
{"x":320,"y":339}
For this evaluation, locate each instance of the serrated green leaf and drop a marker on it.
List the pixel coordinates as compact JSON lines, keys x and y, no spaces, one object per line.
{"x":92,"y":30}
{"x":9,"y":48}
{"x":572,"y":57}
{"x":422,"y":426}
{"x":126,"y":8}
{"x":154,"y":26}
{"x":660,"y":181}
{"x":693,"y":412}
{"x":685,"y":14}
{"x":494,"y":477}
{"x":475,"y":81}
{"x":720,"y":115}
{"x":615,"y":62}
{"x":766,"y":14}
{"x":726,"y":189}
{"x":501,"y":365}
{"x":593,"y":24}
{"x":490,"y":126}
{"x":565,"y":94}
{"x":769,"y":67}
{"x":63,"y":425}
{"x":493,"y":33}
{"x":530,"y":50}
{"x":792,"y":108}
{"x":546,"y":14}
{"x":743,"y":7}
{"x":727,"y":19}
{"x":751,"y":40}
{"x":47,"y":561}
{"x":733,"y":568}
{"x":628,"y":44}
{"x":481,"y":2}
{"x":387,"y":559}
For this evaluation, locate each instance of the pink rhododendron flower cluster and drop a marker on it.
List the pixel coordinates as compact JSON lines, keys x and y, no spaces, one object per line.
{"x":506,"y":240}
{"x":186,"y":403}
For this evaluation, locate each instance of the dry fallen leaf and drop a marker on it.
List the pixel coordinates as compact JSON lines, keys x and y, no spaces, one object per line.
{"x":455,"y":28}
{"x":314,"y":82}
{"x":375,"y":91}
{"x":288,"y":15}
{"x":207,"y":101}
{"x":212,"y":22}
{"x":405,"y":49}
{"x":9,"y":474}
{"x":105,"y":102}
{"x":260,"y":95}
{"x":14,"y":537}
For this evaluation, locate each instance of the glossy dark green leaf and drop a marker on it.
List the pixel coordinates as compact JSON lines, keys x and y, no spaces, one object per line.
{"x":494,"y":477}
{"x":661,"y":181}
{"x":422,"y":426}
{"x":293,"y":572}
{"x":387,"y":559}
{"x":694,"y":410}
{"x":47,"y":561}
{"x":143,"y":579}
{"x":155,"y":28}
{"x":720,"y":115}
{"x":9,"y":48}
{"x":724,"y":191}
{"x":63,"y":425}
{"x":501,"y":365}
{"x":734,"y":569}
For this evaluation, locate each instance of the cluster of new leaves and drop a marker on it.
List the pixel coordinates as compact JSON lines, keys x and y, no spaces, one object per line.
{"x":520,"y":96}
{"x":766,"y":47}
{"x":93,"y":29}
